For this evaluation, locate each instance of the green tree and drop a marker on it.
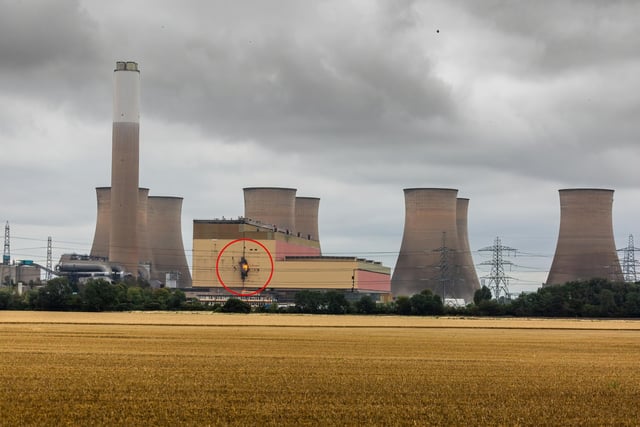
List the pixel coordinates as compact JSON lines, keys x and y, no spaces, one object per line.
{"x":481,"y":294}
{"x":403,"y":305}
{"x":426,"y":303}
{"x":100,"y":295}
{"x":135,"y":297}
{"x":176,"y":299}
{"x":54,"y":295}
{"x":310,"y":301}
{"x":161,"y":296}
{"x":337,"y":303}
{"x":6,"y":299}
{"x":365,"y":305}
{"x":235,"y":305}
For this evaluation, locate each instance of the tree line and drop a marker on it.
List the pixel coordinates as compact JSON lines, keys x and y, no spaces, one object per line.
{"x":95,"y":295}
{"x":592,"y":298}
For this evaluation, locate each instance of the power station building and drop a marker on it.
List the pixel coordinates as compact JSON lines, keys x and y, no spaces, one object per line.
{"x":267,"y":253}
{"x":435,"y":253}
{"x":586,"y":246}
{"x":136,"y":234}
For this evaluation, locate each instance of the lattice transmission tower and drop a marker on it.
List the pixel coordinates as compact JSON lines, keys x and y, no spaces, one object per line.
{"x":6,"y":254}
{"x":49,"y":259}
{"x":444,"y":267}
{"x":629,"y":261}
{"x":498,"y":280}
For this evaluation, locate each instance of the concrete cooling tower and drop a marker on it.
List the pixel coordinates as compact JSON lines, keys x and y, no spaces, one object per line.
{"x":165,"y":239}
{"x":123,"y":244}
{"x":466,"y":271}
{"x":100,"y":247}
{"x":586,"y":247}
{"x":272,"y":206}
{"x":144,"y":249}
{"x":307,"y":217}
{"x":430,"y":225}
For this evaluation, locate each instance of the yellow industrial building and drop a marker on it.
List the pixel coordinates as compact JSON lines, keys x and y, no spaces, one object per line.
{"x":248,"y":258}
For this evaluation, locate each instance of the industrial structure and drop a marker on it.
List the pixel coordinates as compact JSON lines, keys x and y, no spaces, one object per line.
{"x":307,"y":217}
{"x":435,"y":253}
{"x":266,"y":255}
{"x":586,"y":247}
{"x":271,"y":205}
{"x":629,"y":261}
{"x":164,"y":228}
{"x":498,"y":281}
{"x":466,"y":269}
{"x":136,"y":234}
{"x":19,"y":271}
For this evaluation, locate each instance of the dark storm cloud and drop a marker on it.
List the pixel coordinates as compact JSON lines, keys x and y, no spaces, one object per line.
{"x":47,"y":49}
{"x":285,"y":93}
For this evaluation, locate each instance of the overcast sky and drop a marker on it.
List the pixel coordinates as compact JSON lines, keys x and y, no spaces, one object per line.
{"x":349,"y":101}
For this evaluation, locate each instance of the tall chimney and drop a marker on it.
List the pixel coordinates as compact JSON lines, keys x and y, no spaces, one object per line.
{"x":125,"y":149}
{"x":586,"y":248}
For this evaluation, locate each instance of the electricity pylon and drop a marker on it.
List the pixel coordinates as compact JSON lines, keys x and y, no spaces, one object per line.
{"x":49,"y":259}
{"x":6,"y":254}
{"x":629,"y":261}
{"x":498,"y":280}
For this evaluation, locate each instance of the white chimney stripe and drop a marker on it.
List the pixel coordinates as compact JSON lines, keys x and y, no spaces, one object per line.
{"x":126,"y":96}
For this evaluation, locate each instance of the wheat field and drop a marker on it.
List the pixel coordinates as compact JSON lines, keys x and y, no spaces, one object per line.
{"x":216,"y":369}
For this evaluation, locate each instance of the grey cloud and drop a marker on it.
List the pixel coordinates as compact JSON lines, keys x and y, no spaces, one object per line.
{"x":285,"y":93}
{"x":566,"y":36}
{"x":48,"y":49}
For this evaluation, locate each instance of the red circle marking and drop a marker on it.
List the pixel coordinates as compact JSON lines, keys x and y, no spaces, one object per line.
{"x":240,"y":294}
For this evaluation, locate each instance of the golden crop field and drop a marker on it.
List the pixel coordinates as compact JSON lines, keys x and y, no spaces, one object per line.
{"x":217,"y":369}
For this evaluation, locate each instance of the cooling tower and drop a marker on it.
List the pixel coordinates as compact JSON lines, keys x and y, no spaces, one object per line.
{"x":271,"y":205}
{"x":144,"y":250}
{"x":100,"y":247}
{"x":307,"y":217}
{"x":430,"y":225}
{"x":124,"y":167}
{"x":586,"y":247}
{"x":164,"y":229}
{"x":467,"y":279}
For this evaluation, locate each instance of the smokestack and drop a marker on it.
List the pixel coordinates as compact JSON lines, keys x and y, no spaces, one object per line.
{"x":467,"y":278}
{"x":430,"y":236}
{"x":271,"y":205}
{"x":100,"y":247}
{"x":586,"y":247}
{"x":307,"y":217}
{"x":125,"y":166}
{"x":164,"y":228}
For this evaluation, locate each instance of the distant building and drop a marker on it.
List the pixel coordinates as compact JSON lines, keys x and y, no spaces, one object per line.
{"x":20,"y":272}
{"x":251,"y":259}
